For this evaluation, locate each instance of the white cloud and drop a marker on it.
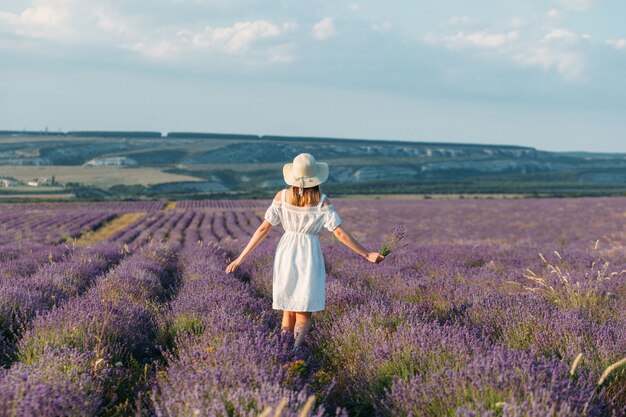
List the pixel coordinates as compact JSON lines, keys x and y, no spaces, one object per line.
{"x":113,"y":23}
{"x":68,"y":21}
{"x":158,"y":50}
{"x":324,"y":29}
{"x":617,"y":43}
{"x":236,"y":39}
{"x":556,"y":49}
{"x":289,"y":26}
{"x":354,"y":7}
{"x":553,"y":13}
{"x":577,"y":5}
{"x":473,"y":39}
{"x":569,"y":64}
{"x":45,"y":16}
{"x":561,"y":34}
{"x":95,"y":23}
{"x":37,"y":22}
{"x":239,"y":39}
{"x":382,"y":27}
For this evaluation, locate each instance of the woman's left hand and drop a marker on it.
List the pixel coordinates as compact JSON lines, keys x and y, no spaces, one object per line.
{"x":233,"y":265}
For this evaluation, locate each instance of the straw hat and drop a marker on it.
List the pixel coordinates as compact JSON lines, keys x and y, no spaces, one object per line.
{"x":304,"y":172}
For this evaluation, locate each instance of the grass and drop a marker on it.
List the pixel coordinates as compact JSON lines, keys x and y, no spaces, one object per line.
{"x":585,"y":293}
{"x":277,"y":411}
{"x":119,"y":222}
{"x":609,"y":370}
{"x":102,"y":177}
{"x":181,"y":325}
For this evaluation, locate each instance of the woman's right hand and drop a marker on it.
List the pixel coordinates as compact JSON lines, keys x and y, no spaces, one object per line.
{"x":374,"y":257}
{"x":233,"y":265}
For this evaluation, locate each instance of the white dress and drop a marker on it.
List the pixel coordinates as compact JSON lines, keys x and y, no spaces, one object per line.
{"x":299,"y":277}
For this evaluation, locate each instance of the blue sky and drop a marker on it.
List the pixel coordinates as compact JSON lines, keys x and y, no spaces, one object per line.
{"x":548,"y":74}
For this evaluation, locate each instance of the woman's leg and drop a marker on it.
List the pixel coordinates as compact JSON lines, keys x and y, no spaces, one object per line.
{"x":302,"y":327}
{"x":289,"y":321}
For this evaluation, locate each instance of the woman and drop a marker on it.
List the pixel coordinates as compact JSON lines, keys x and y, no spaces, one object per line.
{"x":299,"y":277}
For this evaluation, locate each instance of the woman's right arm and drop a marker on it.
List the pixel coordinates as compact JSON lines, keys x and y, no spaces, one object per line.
{"x":260,"y":234}
{"x":346,"y":238}
{"x":257,"y":237}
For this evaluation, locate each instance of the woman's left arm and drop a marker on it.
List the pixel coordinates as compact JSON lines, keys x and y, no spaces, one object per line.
{"x":260,"y":233}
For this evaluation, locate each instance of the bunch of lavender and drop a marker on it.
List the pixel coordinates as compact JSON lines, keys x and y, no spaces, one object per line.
{"x":397,"y":235}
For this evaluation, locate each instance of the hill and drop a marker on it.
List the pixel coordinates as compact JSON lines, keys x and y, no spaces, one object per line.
{"x":234,"y":165}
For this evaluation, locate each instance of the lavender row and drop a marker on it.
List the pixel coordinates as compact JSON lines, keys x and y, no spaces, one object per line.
{"x":220,"y":204}
{"x":24,"y":297}
{"x":155,"y":227}
{"x":23,"y":258}
{"x":14,"y":250}
{"x":87,"y":357}
{"x":20,"y":221}
{"x":554,"y":223}
{"x":177,"y":236}
{"x":179,"y":226}
{"x":164,"y":233}
{"x":502,"y":222}
{"x":49,"y":228}
{"x":130,"y":233}
{"x":230,"y":359}
{"x":117,"y":206}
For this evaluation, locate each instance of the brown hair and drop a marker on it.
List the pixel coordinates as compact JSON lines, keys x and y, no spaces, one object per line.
{"x":310,"y":196}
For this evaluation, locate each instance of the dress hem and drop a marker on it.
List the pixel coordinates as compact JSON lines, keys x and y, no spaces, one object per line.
{"x":311,"y":310}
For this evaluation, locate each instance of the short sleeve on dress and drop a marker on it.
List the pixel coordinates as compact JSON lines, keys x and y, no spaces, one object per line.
{"x":332,"y":219}
{"x":272,"y":213}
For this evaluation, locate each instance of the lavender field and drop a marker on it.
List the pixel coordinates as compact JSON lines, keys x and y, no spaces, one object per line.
{"x":493,"y":308}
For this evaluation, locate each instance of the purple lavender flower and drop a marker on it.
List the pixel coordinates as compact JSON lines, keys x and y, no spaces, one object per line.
{"x":397,"y":235}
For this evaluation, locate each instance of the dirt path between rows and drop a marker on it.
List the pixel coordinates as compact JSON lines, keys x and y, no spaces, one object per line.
{"x":119,"y":222}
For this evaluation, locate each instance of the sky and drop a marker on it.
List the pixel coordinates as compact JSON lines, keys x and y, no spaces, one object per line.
{"x":548,"y":74}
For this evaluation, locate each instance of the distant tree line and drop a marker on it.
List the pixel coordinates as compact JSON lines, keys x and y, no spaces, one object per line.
{"x":246,"y":137}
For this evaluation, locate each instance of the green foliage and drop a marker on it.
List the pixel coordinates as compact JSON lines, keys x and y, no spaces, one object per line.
{"x":295,"y":369}
{"x":186,"y":324}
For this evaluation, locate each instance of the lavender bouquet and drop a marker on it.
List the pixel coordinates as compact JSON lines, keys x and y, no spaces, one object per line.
{"x":397,"y":235}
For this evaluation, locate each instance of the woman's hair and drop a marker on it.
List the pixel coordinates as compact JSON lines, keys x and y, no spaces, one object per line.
{"x":310,"y":196}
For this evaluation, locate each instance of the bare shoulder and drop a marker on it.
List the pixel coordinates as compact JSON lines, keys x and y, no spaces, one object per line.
{"x":277,"y":196}
{"x":326,"y":202}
